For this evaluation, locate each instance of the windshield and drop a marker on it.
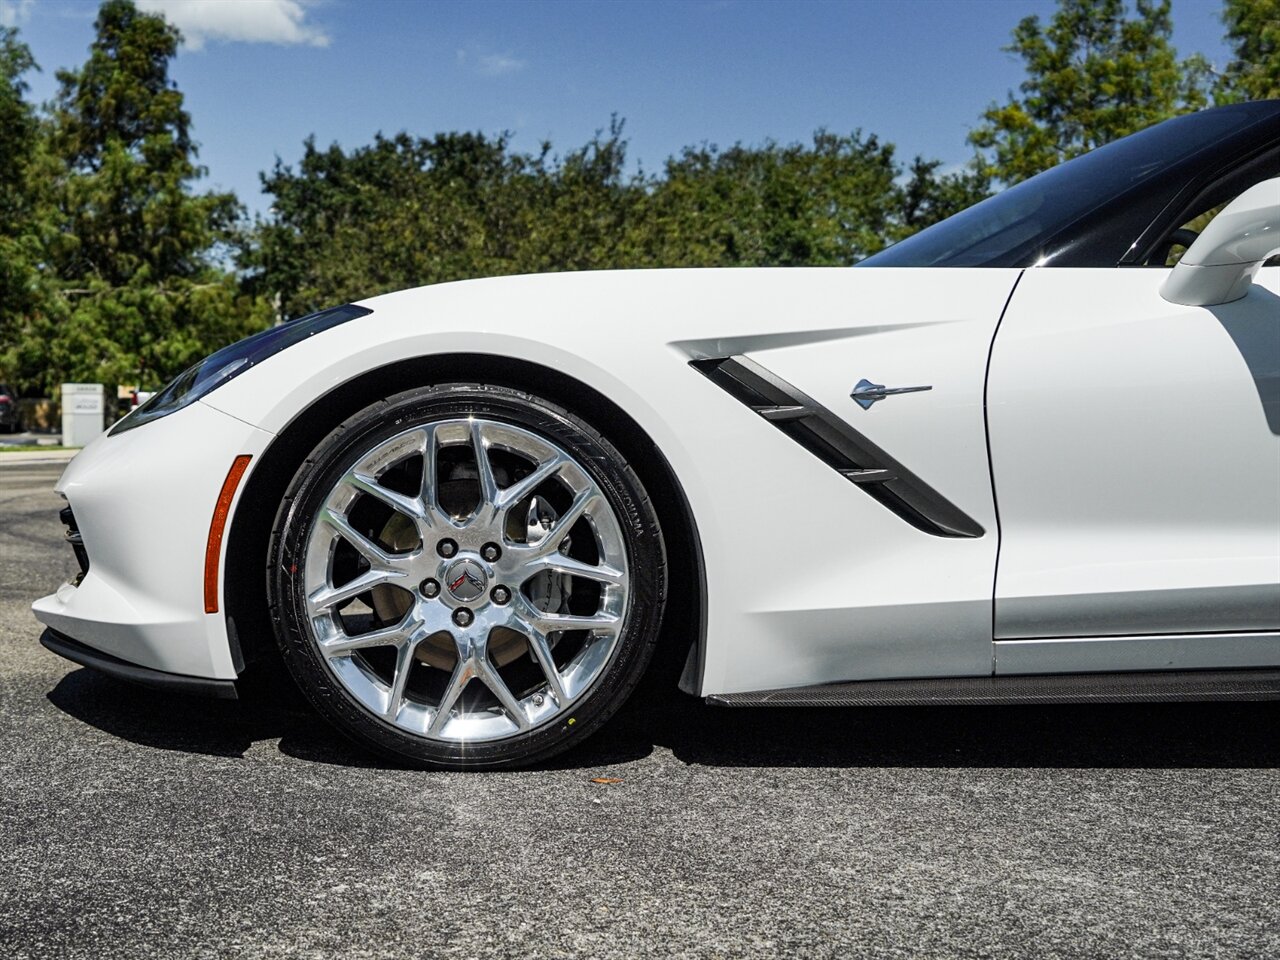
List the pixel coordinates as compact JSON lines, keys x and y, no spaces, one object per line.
{"x":1013,"y":228}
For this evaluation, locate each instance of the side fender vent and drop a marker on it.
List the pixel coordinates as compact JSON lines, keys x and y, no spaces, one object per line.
{"x":838,"y":445}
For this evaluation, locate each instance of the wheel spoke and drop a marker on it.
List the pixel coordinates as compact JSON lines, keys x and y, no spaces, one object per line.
{"x":489,"y":677}
{"x":331,"y":596}
{"x":458,"y":680}
{"x":559,"y":563}
{"x":551,"y":622}
{"x":410,"y":506}
{"x":387,"y":636}
{"x":404,"y":666}
{"x":376,"y":556}
{"x":541,"y":648}
{"x":484,"y":469}
{"x":427,"y":493}
{"x":523,"y":487}
{"x":564,"y":523}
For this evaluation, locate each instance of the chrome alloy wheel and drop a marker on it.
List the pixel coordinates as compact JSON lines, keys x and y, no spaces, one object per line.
{"x":466,"y":580}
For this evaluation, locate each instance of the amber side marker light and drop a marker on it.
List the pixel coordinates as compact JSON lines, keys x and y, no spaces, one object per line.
{"x":213,"y":549}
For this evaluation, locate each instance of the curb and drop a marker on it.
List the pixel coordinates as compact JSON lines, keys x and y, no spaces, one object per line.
{"x":34,"y":457}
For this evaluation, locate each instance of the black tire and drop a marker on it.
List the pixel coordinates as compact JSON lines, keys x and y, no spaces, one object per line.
{"x":593,"y":452}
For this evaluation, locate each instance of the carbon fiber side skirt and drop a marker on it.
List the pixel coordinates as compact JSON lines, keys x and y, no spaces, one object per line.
{"x":1152,"y":687}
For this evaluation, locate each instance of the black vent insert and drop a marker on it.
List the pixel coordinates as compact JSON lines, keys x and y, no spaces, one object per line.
{"x":76,"y":540}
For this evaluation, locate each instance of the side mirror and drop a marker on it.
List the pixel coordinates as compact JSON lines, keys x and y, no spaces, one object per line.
{"x":1221,"y":264}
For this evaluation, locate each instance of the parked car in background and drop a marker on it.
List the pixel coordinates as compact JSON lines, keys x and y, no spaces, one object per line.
{"x":9,"y":421}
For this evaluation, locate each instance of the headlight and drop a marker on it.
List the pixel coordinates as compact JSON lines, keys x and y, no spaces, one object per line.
{"x":229,"y":362}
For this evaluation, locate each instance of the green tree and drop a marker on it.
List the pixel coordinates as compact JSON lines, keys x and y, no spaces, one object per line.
{"x":1253,"y":34}
{"x":406,"y":211}
{"x":1094,"y":74}
{"x":136,"y":253}
{"x":829,"y":203}
{"x":17,"y":124}
{"x":22,"y":292}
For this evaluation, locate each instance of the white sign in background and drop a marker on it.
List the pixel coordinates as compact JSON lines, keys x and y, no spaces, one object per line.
{"x":83,"y":407}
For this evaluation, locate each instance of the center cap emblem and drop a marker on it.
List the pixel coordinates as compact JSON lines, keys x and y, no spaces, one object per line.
{"x":466,"y":580}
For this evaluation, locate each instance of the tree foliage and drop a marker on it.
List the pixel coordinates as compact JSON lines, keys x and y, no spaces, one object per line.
{"x":1253,"y":34}
{"x":132,"y":286}
{"x":20,"y":279}
{"x":406,"y":211}
{"x":1094,"y":74}
{"x":17,"y":124}
{"x":136,"y":250}
{"x":831,"y":202}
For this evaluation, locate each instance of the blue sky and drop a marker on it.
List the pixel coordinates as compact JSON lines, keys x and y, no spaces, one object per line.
{"x":260,"y":75}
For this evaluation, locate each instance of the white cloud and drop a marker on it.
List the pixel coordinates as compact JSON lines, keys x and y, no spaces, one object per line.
{"x":245,"y":21}
{"x":489,"y":64}
{"x":497,"y":64}
{"x":14,"y":12}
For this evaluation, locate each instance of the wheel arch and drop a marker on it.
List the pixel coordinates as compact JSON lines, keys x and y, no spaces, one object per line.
{"x":682,"y":646}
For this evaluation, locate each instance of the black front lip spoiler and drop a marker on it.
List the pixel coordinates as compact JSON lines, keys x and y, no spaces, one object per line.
{"x":77,"y":652}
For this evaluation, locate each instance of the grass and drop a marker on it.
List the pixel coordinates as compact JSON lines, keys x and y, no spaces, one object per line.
{"x":30,"y":448}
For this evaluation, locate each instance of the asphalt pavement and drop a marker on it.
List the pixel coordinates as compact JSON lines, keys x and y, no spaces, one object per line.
{"x":139,"y":824}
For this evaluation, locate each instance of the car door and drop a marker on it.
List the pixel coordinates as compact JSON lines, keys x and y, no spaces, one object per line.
{"x":1135,"y":449}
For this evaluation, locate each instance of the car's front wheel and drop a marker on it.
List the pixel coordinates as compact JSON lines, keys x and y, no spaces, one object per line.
{"x":466,"y":575}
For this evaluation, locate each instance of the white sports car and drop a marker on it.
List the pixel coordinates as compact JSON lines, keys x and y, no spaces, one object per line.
{"x":1017,"y":457}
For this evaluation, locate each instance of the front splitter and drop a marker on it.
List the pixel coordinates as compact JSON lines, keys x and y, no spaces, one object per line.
{"x":86,"y":656}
